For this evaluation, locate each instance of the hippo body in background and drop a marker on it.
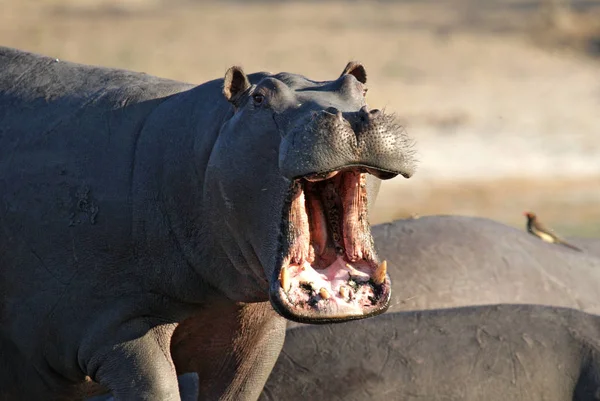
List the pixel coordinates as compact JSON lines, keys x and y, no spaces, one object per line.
{"x":490,"y":352}
{"x":450,"y":261}
{"x":137,"y":211}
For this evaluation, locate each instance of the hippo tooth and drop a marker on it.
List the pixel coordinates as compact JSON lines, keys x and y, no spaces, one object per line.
{"x":354,"y":206}
{"x":284,"y":278}
{"x":351,"y":268}
{"x":317,"y":221}
{"x":324,"y":293}
{"x":380,"y":272}
{"x":344,"y":291}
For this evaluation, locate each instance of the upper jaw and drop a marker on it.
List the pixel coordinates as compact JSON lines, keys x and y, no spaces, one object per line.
{"x":327,"y":269}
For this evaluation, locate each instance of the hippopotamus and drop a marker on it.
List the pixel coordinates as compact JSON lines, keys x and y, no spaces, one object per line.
{"x":488,"y":352}
{"x":132,"y":204}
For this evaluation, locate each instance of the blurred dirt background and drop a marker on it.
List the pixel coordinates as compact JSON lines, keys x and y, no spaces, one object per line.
{"x":501,"y":96}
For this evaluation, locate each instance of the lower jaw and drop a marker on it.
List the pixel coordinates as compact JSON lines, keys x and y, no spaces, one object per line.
{"x":340,"y":291}
{"x":325,"y":315}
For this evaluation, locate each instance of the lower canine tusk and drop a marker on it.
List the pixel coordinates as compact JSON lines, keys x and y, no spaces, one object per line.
{"x":379,"y":275}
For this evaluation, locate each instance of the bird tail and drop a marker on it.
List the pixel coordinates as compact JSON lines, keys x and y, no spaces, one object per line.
{"x":570,"y":246}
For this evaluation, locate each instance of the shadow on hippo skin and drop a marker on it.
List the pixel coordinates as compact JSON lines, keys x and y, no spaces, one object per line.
{"x":492,"y":353}
{"x":451,"y":261}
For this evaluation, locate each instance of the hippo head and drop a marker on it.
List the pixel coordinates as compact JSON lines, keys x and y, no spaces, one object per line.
{"x":293,"y":172}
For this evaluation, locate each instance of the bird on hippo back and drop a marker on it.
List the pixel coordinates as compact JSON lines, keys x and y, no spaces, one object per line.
{"x":139,"y":212}
{"x":535,"y":227}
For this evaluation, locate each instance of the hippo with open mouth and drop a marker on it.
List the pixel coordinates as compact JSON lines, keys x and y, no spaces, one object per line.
{"x":137,"y":211}
{"x":329,"y":146}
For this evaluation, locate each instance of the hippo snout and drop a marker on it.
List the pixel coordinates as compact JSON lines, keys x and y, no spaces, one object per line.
{"x":334,"y":140}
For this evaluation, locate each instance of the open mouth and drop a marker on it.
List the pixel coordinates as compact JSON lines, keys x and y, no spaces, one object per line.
{"x":329,"y":269}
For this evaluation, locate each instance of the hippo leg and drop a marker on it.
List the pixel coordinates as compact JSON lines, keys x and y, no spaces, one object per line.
{"x":139,"y":366}
{"x":233,"y":348}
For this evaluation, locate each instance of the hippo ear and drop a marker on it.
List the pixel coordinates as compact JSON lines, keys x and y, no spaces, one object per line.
{"x":235,"y":83}
{"x":355,"y":68}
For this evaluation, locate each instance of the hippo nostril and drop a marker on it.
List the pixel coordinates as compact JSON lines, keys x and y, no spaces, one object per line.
{"x":375,"y":113}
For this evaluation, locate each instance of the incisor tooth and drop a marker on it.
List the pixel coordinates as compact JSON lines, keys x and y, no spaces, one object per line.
{"x":351,"y":268}
{"x":284,"y":278}
{"x":343,"y":291}
{"x":379,"y":275}
{"x":324,"y":293}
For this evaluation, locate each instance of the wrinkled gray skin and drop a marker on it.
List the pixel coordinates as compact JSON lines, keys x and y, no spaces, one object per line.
{"x":132,"y":203}
{"x":492,"y":353}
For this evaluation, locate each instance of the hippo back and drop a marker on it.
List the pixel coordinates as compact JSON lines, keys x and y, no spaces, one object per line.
{"x":451,"y":261}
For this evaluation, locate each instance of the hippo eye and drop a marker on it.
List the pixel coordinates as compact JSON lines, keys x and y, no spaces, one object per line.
{"x":258,"y":98}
